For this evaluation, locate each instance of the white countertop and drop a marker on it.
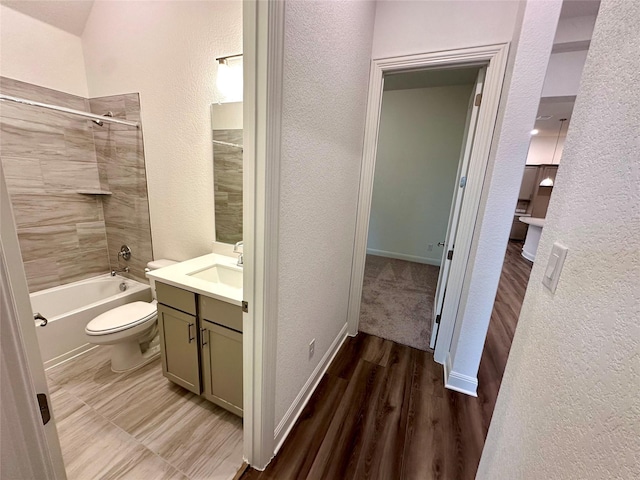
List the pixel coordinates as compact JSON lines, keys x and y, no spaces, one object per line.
{"x":536,"y":222}
{"x":179,"y":276}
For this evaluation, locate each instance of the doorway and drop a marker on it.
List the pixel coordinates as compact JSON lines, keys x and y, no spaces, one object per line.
{"x":464,"y":186}
{"x":425,"y":124}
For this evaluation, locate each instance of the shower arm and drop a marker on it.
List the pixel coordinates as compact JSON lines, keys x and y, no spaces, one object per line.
{"x":70,"y":111}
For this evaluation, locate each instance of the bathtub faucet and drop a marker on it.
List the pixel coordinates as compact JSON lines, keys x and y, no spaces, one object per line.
{"x":119,"y":270}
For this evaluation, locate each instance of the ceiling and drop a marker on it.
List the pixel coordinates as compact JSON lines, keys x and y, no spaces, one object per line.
{"x":579,"y":8}
{"x":68,"y":15}
{"x":556,"y":108}
{"x":430,"y":78}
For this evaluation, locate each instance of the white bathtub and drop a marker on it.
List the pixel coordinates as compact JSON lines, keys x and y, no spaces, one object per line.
{"x":70,"y":307}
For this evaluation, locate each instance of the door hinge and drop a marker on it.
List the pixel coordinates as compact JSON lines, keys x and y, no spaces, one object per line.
{"x":449,"y":254}
{"x":245,"y":306}
{"x":463,"y":182}
{"x":478,"y":99}
{"x":44,"y":408}
{"x":438,"y":317}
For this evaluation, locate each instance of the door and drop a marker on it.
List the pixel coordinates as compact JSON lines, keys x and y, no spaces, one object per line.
{"x":222,"y":366}
{"x":178,"y":337}
{"x":456,"y":204}
{"x":30,"y":447}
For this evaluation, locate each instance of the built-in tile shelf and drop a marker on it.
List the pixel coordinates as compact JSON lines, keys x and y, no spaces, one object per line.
{"x":93,"y":192}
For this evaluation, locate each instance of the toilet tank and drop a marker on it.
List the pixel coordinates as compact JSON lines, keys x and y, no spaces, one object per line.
{"x":155,"y":265}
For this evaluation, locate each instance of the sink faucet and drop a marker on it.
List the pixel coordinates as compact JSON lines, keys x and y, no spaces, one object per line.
{"x":236,"y":248}
{"x":119,"y":270}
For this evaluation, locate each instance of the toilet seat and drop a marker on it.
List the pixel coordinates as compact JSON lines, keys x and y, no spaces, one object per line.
{"x":122,"y":318}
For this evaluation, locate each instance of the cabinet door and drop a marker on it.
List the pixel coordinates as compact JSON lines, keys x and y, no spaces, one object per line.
{"x":222,"y":366}
{"x":179,"y":347}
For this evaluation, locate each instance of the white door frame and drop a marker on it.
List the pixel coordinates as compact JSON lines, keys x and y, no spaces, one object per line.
{"x":20,"y":351}
{"x":263,"y":37}
{"x":495,"y":58}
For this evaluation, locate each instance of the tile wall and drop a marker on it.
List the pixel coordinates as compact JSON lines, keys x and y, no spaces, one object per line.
{"x":121,"y":167}
{"x":46,"y":158}
{"x":227,"y":167}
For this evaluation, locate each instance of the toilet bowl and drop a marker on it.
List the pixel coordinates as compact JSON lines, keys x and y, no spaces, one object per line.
{"x":130,"y":329}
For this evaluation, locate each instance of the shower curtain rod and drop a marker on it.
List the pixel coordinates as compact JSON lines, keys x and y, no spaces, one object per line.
{"x":70,"y":111}
{"x":227,"y":144}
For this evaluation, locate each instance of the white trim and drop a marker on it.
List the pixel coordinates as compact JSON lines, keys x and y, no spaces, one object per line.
{"x":290,"y":418}
{"x":263,"y":39}
{"x":458,"y":381}
{"x":65,"y":357}
{"x":402,"y":256}
{"x":495,"y":58}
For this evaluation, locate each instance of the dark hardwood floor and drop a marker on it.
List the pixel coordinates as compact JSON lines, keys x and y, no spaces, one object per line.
{"x":381,"y":411}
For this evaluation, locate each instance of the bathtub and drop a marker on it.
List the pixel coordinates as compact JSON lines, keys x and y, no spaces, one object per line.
{"x":70,"y":307}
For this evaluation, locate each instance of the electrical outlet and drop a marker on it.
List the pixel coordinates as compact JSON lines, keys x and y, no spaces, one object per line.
{"x":312,"y":348}
{"x":430,"y":247}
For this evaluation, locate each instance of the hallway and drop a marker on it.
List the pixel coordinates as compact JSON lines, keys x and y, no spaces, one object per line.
{"x":381,"y":410}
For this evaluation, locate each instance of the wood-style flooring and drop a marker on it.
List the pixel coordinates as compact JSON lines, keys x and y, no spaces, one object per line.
{"x":381,"y":411}
{"x":138,"y":425}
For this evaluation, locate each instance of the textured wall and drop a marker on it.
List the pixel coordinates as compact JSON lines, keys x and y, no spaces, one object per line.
{"x":121,"y":164}
{"x":568,"y":406}
{"x":47,"y":157}
{"x":33,"y":51}
{"x":419,"y":145}
{"x":166,"y":51}
{"x":524,"y":78}
{"x":326,"y":71}
{"x":404,"y":27}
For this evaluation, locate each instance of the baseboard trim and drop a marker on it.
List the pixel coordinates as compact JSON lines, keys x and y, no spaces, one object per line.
{"x":289,"y":420}
{"x":458,"y":381}
{"x":65,"y":357}
{"x":401,"y":256}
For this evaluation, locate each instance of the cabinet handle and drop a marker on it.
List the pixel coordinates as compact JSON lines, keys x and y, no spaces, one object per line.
{"x":189,"y":331}
{"x":202,"y":335}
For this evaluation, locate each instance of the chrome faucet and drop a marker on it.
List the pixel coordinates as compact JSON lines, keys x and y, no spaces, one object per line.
{"x":119,"y":270}
{"x":236,"y":248}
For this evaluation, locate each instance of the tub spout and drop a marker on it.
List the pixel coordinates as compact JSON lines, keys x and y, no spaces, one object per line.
{"x":120,"y":270}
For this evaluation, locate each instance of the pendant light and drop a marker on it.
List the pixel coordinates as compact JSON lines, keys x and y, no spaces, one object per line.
{"x":548,"y":182}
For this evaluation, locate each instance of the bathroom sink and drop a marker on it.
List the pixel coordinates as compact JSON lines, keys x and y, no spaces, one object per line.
{"x":221,"y":274}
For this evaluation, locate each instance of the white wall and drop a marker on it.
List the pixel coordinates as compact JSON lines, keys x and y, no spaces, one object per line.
{"x":417,"y":159}
{"x":519,"y":105}
{"x":37,"y":53}
{"x":563,"y":74}
{"x":541,"y":150}
{"x":406,"y":27}
{"x":568,"y":405}
{"x":326,"y":71}
{"x":166,"y":51}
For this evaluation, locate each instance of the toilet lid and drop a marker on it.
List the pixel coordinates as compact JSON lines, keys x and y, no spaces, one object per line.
{"x":121,"y":318}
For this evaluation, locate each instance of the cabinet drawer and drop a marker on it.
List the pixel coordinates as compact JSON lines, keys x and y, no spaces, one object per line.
{"x":222,"y":313}
{"x":176,"y":298}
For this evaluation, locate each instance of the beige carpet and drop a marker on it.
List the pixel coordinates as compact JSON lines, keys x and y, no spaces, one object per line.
{"x":397,"y":300}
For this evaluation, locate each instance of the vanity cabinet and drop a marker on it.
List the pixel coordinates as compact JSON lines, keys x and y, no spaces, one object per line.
{"x":179,"y":347}
{"x":201,"y":345}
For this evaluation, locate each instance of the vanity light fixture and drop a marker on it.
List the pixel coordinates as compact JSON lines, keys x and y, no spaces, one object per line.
{"x":229,"y":78}
{"x":548,"y":182}
{"x":535,"y":131}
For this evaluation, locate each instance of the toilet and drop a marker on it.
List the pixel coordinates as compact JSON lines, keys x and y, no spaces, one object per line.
{"x":130,"y":329}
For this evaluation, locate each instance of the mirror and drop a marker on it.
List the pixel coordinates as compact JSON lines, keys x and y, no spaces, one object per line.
{"x":226,"y":125}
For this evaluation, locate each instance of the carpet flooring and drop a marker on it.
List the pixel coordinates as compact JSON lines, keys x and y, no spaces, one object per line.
{"x":397,"y":300}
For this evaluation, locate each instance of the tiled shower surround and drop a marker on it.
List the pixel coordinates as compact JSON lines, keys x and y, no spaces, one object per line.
{"x":47,"y":157}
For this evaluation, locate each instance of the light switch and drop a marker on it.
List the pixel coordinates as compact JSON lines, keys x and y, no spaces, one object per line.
{"x":554,"y":266}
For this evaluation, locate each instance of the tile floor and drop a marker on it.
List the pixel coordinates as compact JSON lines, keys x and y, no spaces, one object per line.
{"x":138,"y":425}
